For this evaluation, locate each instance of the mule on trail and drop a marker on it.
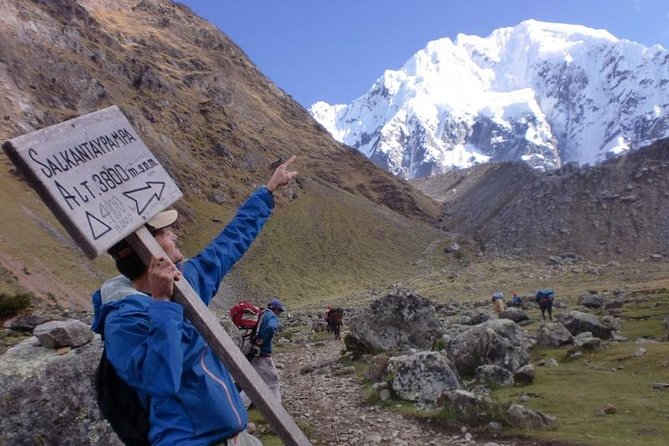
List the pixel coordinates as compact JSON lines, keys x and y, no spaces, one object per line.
{"x":545,"y":300}
{"x":335,"y":317}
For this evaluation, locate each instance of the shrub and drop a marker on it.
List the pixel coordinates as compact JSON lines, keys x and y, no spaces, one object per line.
{"x":11,"y":304}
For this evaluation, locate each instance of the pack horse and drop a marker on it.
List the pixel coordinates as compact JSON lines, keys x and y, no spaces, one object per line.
{"x":335,"y":318}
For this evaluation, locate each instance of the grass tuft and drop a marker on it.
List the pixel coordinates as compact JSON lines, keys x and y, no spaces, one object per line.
{"x":11,"y":304}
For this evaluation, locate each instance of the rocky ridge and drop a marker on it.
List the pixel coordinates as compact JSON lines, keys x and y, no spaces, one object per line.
{"x":616,"y":210}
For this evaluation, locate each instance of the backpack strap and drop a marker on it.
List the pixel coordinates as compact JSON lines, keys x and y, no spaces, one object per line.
{"x":253,"y":352}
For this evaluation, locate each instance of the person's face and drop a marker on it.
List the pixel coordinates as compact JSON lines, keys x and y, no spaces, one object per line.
{"x":168,"y":241}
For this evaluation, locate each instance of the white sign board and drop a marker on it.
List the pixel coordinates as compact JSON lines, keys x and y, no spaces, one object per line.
{"x":96,"y":175}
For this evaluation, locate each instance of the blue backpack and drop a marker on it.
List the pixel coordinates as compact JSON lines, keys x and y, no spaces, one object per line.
{"x":545,"y":293}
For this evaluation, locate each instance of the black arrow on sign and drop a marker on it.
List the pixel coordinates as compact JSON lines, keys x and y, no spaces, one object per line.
{"x":144,"y":195}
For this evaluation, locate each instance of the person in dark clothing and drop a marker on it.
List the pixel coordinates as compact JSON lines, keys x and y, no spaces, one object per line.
{"x":263,"y":362}
{"x":158,"y":352}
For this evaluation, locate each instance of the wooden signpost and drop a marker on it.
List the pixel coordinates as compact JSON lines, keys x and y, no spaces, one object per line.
{"x":102,"y":183}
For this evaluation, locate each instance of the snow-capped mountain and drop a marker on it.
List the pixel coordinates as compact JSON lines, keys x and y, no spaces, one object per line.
{"x":544,"y":93}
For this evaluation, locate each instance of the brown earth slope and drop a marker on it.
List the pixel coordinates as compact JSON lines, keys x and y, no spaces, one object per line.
{"x":214,"y":121}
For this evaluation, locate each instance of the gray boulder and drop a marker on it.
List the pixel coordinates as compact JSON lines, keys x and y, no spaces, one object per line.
{"x":480,"y":316}
{"x":26,"y":322}
{"x":68,"y":333}
{"x":525,"y":374}
{"x":399,"y":321}
{"x":593,"y":300}
{"x":524,"y":418}
{"x":463,"y":401}
{"x":586,"y":342}
{"x":577,"y":322}
{"x":47,"y":398}
{"x":494,"y":376}
{"x":554,"y":334}
{"x":514,"y":314}
{"x":499,"y":342}
{"x":423,"y":376}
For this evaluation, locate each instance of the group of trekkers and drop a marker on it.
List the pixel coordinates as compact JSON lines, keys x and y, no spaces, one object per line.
{"x":543,"y":298}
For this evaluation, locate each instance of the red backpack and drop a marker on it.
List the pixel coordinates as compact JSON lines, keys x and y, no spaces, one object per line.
{"x":246,"y":318}
{"x":245,"y":314}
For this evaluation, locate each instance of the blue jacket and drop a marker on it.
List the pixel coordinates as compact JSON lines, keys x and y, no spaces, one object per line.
{"x":268,"y":326}
{"x":160,"y":353}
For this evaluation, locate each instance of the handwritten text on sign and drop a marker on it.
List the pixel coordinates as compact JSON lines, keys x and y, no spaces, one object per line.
{"x":99,"y":175}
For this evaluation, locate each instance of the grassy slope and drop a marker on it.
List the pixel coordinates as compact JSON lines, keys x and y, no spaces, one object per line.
{"x":323,"y":245}
{"x":39,"y":253}
{"x":576,"y":391}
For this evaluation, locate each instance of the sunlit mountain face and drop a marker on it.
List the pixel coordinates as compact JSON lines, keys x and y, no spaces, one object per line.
{"x":543,"y":93}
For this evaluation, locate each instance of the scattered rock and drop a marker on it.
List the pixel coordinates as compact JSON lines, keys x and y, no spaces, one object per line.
{"x":524,"y":418}
{"x":577,"y":322}
{"x":554,"y":334}
{"x":398,"y":321}
{"x":592,"y":300}
{"x":25,"y":322}
{"x":515,"y":314}
{"x":423,"y":376}
{"x":525,"y":374}
{"x":498,"y":342}
{"x":494,"y":376}
{"x":69,"y":333}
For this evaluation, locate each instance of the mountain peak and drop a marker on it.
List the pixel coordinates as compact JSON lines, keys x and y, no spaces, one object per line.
{"x":539,"y":92}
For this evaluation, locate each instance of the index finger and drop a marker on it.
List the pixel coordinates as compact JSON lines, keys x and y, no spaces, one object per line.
{"x":287,"y":163}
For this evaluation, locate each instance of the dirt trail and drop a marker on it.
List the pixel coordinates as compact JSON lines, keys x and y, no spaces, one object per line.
{"x":319,"y":390}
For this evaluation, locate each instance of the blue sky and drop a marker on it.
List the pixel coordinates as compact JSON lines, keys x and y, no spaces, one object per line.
{"x":333,"y":50}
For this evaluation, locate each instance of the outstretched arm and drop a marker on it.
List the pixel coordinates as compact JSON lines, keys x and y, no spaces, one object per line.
{"x":206,"y":270}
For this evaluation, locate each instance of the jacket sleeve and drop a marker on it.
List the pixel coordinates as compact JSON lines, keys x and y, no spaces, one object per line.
{"x":143,"y":343}
{"x":206,"y":270}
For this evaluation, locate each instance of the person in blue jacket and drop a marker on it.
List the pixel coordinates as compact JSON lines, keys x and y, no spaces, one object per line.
{"x":262,"y":362}
{"x":154,"y":349}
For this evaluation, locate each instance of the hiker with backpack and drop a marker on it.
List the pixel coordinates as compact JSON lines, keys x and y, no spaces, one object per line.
{"x":189,"y":393}
{"x":498,"y":302}
{"x":261,"y":360}
{"x":326,"y":317}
